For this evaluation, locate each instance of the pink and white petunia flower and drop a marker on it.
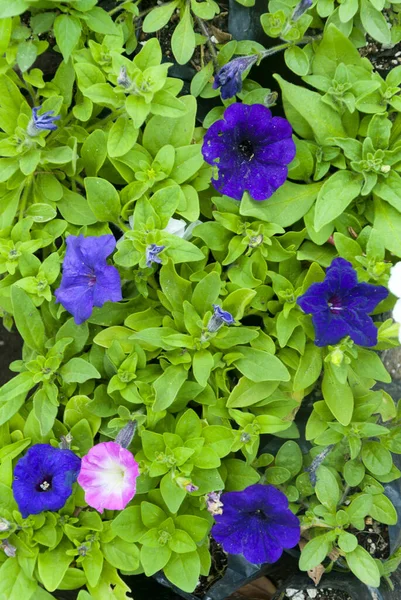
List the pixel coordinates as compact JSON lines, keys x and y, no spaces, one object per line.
{"x":108,"y":476}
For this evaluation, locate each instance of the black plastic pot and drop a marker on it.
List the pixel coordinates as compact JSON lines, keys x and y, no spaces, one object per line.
{"x":244,"y":23}
{"x":342,"y":582}
{"x":239,"y":573}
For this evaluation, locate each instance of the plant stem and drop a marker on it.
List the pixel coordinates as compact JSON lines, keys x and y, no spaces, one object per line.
{"x":25,"y":195}
{"x":209,"y":43}
{"x":275,"y":49}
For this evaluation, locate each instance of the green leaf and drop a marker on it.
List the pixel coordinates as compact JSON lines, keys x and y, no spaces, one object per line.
{"x":324,"y":122}
{"x":247,"y":393}
{"x":359,"y":509}
{"x":26,"y":55}
{"x":354,"y":472}
{"x":376,"y":458}
{"x":159,"y":17}
{"x":202,"y":365}
{"x":122,"y":136}
{"x":177,"y":132}
{"x":181,"y":542}
{"x":128,"y":524}
{"x":206,"y":292}
{"x":103,"y":199}
{"x":327,"y":489}
{"x":347,"y":541}
{"x":337,"y":193}
{"x":314,"y":553}
{"x":338,"y":396}
{"x":183,"y":40}
{"x":383,"y":510}
{"x":219,"y":438}
{"x":53,"y":564}
{"x":364,"y":566}
{"x":258,"y":365}
{"x":153,"y":561}
{"x":78,"y":370}
{"x":297,"y":60}
{"x":93,"y":565}
{"x":290,"y":457}
{"x":310,"y":367}
{"x":14,"y":583}
{"x":239,"y":475}
{"x":286,"y":206}
{"x":183,"y":571}
{"x":374,"y":23}
{"x":94,"y":152}
{"x":99,"y":20}
{"x":168,"y":385}
{"x":67,"y":30}
{"x":74,"y":208}
{"x":387,"y":222}
{"x":28,"y":320}
{"x":121,"y":554}
{"x":172,"y":495}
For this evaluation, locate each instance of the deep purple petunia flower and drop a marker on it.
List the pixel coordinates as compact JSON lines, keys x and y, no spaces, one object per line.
{"x":219,"y":318}
{"x":152,"y":254}
{"x":41,"y":122}
{"x":251,"y":150}
{"x":256,"y":523}
{"x":87,"y":279}
{"x":43,"y":479}
{"x":229,"y":77}
{"x":340,"y":305}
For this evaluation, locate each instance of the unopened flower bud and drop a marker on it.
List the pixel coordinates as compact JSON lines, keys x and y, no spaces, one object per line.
{"x":385,"y":168}
{"x":300,"y":9}
{"x":4,"y":525}
{"x":337,"y":357}
{"x":125,"y":436}
{"x":191,"y":487}
{"x":66,"y":440}
{"x":123,"y":80}
{"x":9,"y":549}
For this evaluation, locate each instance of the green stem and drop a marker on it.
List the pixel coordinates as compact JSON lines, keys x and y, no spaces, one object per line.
{"x":100,"y":124}
{"x":209,"y":43}
{"x":24,"y":199}
{"x":275,"y":49}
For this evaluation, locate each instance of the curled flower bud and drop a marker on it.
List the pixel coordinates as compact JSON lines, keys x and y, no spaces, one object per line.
{"x":229,"y":77}
{"x":317,"y":461}
{"x":191,"y":487}
{"x":152,"y":254}
{"x":65,"y":441}
{"x":123,"y":80}
{"x":125,"y":436}
{"x":219,"y":318}
{"x":300,"y":9}
{"x":39,"y":123}
{"x":9,"y":549}
{"x":4,"y":525}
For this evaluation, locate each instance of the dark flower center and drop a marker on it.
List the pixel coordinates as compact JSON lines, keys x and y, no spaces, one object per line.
{"x":45,"y":485}
{"x":246,"y":149}
{"x":260,"y":515}
{"x":335,"y":304}
{"x":92,"y":278}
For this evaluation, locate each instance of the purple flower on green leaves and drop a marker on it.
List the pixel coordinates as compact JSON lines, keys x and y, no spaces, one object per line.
{"x":229,"y":77}
{"x":256,"y":523}
{"x":219,"y":318}
{"x":43,"y":479}
{"x":41,"y":122}
{"x":152,"y":254}
{"x":87,"y":279}
{"x":251,"y":150}
{"x":340,"y":306}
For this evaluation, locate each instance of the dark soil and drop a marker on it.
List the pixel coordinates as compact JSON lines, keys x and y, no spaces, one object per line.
{"x":314,"y":594}
{"x":217,"y":570}
{"x":374,"y":538}
{"x":10,"y":349}
{"x":383,"y":59}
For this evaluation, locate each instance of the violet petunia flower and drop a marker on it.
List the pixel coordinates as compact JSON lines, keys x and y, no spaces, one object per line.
{"x":219,"y":318}
{"x":39,"y":123}
{"x":87,"y":279}
{"x":251,"y":150}
{"x":340,"y":305}
{"x":43,"y":479}
{"x":108,"y":476}
{"x":229,"y":77}
{"x":256,"y":523}
{"x":152,"y":254}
